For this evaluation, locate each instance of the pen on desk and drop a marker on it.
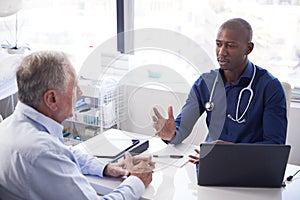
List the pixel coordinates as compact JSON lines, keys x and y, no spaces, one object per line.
{"x":168,"y":156}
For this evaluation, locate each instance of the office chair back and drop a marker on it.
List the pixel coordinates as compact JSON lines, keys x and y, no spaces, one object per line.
{"x":287,"y":90}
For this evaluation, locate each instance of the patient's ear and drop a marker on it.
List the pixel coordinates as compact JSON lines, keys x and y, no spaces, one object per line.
{"x":49,"y":99}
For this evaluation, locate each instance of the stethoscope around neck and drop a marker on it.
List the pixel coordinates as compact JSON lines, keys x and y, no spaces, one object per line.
{"x":209,"y":106}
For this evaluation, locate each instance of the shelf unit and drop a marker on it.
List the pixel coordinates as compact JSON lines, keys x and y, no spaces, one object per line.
{"x":99,"y":108}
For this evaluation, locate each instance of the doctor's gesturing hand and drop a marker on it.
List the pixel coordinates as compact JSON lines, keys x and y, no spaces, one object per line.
{"x":165,"y":127}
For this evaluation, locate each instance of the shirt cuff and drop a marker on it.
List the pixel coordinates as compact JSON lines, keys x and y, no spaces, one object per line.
{"x":96,"y":167}
{"x":136,"y":184}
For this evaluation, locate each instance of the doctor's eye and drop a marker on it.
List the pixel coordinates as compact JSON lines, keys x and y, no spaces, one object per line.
{"x":218,"y":44}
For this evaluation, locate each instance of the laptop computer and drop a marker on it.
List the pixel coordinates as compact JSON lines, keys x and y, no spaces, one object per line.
{"x":242,"y":165}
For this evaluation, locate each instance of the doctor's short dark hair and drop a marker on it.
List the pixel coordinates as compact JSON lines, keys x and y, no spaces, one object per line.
{"x":239,"y":24}
{"x":39,"y":72}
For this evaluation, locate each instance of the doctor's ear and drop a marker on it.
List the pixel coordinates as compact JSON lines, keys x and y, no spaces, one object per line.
{"x":249,"y":48}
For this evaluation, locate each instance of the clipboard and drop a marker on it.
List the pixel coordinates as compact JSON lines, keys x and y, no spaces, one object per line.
{"x":134,"y":143}
{"x":136,"y":147}
{"x":112,"y":145}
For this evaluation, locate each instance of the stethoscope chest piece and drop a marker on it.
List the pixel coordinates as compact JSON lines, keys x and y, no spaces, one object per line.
{"x":209,"y":106}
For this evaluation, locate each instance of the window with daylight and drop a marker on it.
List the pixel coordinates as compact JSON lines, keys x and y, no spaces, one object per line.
{"x":76,"y":26}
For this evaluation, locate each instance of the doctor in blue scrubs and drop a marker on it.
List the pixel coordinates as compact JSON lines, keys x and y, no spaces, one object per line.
{"x":244,"y":102}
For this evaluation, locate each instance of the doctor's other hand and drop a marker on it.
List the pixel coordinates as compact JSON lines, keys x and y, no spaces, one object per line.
{"x":139,"y":167}
{"x":194,"y":158}
{"x":221,"y":142}
{"x":165,"y":127}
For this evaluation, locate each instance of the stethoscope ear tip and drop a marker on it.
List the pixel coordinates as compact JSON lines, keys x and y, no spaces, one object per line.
{"x":236,"y":120}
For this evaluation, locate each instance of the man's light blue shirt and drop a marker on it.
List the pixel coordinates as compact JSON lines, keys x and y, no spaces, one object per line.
{"x":35,"y":164}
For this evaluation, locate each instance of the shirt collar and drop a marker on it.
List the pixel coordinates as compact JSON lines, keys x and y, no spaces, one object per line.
{"x":245,"y":77}
{"x":49,"y":125}
{"x":248,"y":71}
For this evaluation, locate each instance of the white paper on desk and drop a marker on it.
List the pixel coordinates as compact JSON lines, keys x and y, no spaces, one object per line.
{"x":107,"y":145}
{"x":178,"y":149}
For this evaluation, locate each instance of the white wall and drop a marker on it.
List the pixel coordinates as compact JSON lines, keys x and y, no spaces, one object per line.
{"x":139,"y":103}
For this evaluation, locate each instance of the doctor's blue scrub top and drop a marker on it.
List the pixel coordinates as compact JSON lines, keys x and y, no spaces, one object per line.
{"x":265,"y":119}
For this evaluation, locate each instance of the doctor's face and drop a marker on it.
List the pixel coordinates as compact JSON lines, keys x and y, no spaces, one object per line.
{"x":232,"y":49}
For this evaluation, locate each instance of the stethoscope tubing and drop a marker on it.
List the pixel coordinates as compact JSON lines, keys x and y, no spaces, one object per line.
{"x":210,"y":105}
{"x":248,"y":88}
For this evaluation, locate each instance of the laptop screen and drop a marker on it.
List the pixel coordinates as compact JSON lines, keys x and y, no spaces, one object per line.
{"x":242,"y":165}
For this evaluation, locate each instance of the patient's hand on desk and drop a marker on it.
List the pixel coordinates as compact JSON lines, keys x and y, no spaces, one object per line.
{"x":165,"y":127}
{"x":122,"y":168}
{"x":115,"y":170}
{"x":141,"y":167}
{"x":195,"y":158}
